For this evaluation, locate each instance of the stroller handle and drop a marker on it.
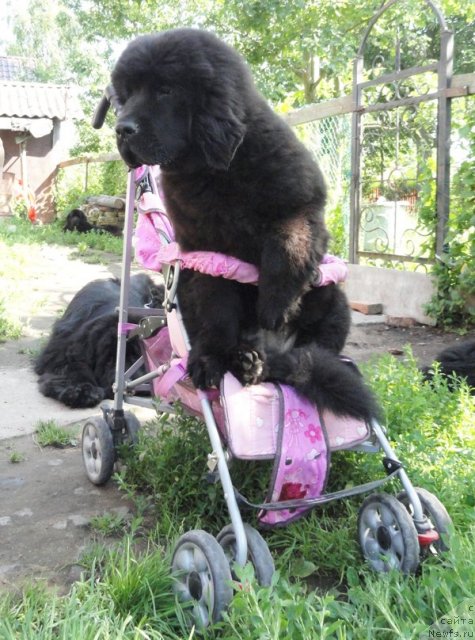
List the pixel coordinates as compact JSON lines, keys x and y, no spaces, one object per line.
{"x":109,"y":99}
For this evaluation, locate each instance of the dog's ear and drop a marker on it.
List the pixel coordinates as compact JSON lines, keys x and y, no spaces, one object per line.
{"x":218,"y":135}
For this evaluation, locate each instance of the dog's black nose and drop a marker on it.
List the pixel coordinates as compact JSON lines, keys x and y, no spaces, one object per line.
{"x":126,"y":128}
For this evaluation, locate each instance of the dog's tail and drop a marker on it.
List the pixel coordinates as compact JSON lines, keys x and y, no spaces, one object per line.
{"x":325,"y":379}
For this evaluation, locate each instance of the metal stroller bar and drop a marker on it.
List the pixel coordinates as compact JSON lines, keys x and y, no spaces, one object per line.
{"x":124,"y":293}
{"x":419,"y":518}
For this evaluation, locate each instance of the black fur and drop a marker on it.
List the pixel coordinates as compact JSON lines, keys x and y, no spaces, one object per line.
{"x":457,"y":361}
{"x":76,"y":220}
{"x":77,"y":365}
{"x":305,"y":367}
{"x":235,"y":180}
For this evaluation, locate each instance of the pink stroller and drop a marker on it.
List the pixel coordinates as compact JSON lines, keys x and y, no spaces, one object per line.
{"x":264,"y":421}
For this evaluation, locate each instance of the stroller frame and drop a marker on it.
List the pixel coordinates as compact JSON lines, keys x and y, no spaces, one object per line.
{"x":420,"y":516}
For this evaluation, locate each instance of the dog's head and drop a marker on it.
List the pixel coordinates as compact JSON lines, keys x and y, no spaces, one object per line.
{"x":76,"y":220}
{"x":184,"y":96}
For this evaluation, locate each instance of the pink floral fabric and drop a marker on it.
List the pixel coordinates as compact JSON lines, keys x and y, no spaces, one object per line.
{"x":269,"y":421}
{"x":302,"y":459}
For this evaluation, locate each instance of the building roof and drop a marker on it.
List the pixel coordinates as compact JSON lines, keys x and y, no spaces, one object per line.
{"x":37,"y":100}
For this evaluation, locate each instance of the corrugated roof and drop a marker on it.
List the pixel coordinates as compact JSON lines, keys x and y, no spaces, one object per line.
{"x":37,"y":100}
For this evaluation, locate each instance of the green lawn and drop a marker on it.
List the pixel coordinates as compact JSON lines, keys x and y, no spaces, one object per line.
{"x":322,"y":588}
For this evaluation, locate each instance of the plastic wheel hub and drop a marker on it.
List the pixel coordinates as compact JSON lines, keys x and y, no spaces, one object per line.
{"x":384,"y":538}
{"x":195,"y":586}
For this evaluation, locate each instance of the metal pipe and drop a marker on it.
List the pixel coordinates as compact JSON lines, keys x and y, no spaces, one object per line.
{"x":418,"y":516}
{"x":229,"y":495}
{"x":119,"y":383}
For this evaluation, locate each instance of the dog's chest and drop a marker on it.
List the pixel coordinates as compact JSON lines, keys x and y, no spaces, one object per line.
{"x":212,"y":223}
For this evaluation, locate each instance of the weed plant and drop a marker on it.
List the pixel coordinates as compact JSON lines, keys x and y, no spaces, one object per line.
{"x":108,"y":524}
{"x":16,"y":457}
{"x":49,"y":434}
{"x":9,"y":329}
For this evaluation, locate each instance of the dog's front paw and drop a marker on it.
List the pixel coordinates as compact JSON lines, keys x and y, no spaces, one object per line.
{"x":81,"y":396}
{"x":247,"y":365}
{"x":206,"y":371}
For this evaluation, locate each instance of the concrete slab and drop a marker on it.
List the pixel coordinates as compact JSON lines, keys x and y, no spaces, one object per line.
{"x":47,"y":504}
{"x":402,"y":293}
{"x":359,"y":319}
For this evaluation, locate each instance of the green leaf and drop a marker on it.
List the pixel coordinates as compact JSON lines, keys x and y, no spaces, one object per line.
{"x":302,"y":568}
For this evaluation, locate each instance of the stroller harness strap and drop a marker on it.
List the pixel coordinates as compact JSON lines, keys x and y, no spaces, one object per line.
{"x":155,"y":246}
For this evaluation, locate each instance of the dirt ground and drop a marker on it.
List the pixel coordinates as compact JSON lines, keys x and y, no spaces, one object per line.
{"x":46,"y":501}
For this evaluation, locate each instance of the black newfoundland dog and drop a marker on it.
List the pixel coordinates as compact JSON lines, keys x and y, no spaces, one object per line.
{"x":76,"y":220}
{"x":456,"y":362}
{"x":236,"y":180}
{"x":77,"y":365}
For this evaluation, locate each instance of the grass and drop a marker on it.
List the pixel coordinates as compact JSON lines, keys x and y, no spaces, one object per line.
{"x":15,"y":457}
{"x":323,"y":584}
{"x":9,"y":329}
{"x":108,"y":524}
{"x":50,"y":434}
{"x":21,"y":231}
{"x":126,"y":598}
{"x":322,"y":588}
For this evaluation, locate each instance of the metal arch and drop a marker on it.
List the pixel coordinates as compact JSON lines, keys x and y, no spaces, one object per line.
{"x":388,"y":5}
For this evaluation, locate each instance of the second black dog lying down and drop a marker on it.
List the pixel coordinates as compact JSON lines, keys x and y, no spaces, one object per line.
{"x":457,"y":361}
{"x":76,"y":220}
{"x":77,"y":365}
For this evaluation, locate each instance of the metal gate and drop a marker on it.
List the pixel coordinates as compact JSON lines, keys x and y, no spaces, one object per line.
{"x":399,"y":200}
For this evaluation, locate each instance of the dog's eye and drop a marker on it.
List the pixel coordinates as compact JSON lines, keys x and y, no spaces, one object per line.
{"x":164,"y":91}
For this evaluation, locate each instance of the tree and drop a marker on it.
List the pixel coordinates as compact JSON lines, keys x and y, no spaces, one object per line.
{"x":300,"y":51}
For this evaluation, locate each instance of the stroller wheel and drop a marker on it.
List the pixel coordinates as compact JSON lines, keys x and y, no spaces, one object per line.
{"x":387,"y":534}
{"x":98,"y":450}
{"x":132,"y":425}
{"x":437,"y":515}
{"x":202,"y":577}
{"x":257,"y":550}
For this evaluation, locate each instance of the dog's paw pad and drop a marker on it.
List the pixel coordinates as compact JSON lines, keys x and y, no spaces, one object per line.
{"x":247,"y":365}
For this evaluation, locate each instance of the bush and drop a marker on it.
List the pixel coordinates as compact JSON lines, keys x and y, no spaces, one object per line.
{"x":454,"y":301}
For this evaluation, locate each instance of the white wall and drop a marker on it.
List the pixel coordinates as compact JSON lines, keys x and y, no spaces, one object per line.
{"x":402,"y":293}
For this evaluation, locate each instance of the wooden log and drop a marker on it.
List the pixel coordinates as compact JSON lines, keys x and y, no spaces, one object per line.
{"x":109,"y":202}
